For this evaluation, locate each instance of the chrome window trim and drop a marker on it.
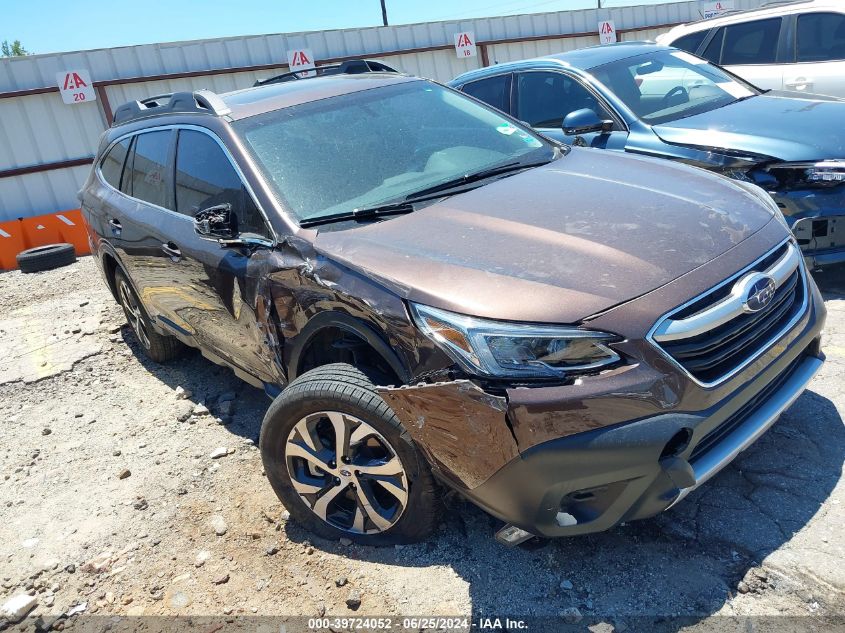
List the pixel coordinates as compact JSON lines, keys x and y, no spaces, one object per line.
{"x":650,"y":337}
{"x":274,"y":241}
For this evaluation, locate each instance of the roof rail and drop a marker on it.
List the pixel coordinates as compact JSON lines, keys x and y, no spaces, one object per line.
{"x":348,"y":67}
{"x":774,"y":3}
{"x":201,"y":101}
{"x":764,"y":5}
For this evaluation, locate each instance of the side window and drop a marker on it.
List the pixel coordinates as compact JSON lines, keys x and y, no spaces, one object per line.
{"x":714,"y":49}
{"x":149,"y":167}
{"x":494,"y":91}
{"x":821,"y":37}
{"x":112,"y":165}
{"x":691,"y":41}
{"x":544,"y":99}
{"x":205,"y":178}
{"x":753,"y":42}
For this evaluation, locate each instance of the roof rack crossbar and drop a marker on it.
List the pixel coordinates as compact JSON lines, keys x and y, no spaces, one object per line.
{"x":200,"y":101}
{"x":348,"y":67}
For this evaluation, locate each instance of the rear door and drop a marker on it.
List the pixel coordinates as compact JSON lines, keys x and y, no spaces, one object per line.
{"x":751,"y":50}
{"x":143,"y":224}
{"x":544,"y":98}
{"x":102,"y":201}
{"x":820,"y":55}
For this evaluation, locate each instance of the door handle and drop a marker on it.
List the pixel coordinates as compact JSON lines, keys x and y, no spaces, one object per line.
{"x":172,"y":251}
{"x":116,"y":226}
{"x":800,"y":83}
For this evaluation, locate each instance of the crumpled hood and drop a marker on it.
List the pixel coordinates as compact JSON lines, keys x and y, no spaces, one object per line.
{"x":557,"y":243}
{"x":782,"y":125}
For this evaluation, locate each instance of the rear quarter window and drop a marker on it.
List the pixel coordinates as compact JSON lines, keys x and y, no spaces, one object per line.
{"x":112,"y":166}
{"x":691,"y":42}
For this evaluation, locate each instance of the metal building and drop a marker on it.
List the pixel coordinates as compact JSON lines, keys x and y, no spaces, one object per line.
{"x":46,"y":146}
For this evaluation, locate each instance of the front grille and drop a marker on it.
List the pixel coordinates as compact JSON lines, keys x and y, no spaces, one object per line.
{"x":717,"y":352}
{"x":744,"y":412}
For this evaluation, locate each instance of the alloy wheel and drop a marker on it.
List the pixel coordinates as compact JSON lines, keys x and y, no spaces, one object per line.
{"x":346,"y":472}
{"x":133,"y":314}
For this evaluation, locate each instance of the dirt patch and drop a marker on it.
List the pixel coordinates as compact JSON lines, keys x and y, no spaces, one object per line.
{"x":192,"y":529}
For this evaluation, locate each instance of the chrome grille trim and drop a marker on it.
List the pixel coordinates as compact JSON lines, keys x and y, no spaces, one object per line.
{"x":781,"y":270}
{"x":728,"y":308}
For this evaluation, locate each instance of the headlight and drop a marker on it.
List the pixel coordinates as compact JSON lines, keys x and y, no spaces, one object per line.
{"x":513,"y":350}
{"x":826,"y":173}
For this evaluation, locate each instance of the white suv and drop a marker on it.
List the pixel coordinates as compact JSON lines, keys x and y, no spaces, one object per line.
{"x":798,"y":46}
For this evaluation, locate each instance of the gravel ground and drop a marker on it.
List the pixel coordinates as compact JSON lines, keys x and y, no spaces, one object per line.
{"x":115,"y":500}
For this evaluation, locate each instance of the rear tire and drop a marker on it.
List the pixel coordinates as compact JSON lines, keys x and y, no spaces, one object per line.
{"x":40,"y":258}
{"x":157,"y":347}
{"x":382,"y":493}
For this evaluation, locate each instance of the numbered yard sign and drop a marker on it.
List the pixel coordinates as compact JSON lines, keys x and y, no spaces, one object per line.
{"x":607,"y":32}
{"x":712,"y":9}
{"x":301,"y":59}
{"x":76,"y":86}
{"x":465,"y":44}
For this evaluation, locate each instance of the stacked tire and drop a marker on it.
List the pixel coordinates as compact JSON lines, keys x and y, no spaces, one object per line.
{"x":35,"y":260}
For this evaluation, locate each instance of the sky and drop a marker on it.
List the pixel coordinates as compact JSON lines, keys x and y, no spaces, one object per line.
{"x":48,"y":26}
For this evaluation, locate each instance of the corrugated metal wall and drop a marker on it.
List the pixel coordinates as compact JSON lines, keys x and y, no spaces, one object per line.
{"x":39,"y":129}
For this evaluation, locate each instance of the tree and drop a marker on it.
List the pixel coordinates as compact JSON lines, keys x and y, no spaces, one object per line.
{"x":15,"y":49}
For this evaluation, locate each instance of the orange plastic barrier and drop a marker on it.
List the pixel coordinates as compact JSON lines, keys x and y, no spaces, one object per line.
{"x":19,"y":235}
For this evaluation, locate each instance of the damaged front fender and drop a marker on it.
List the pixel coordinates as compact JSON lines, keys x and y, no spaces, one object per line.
{"x":461,"y":429}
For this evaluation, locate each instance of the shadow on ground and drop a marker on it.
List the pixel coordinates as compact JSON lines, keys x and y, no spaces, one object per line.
{"x":684,"y":563}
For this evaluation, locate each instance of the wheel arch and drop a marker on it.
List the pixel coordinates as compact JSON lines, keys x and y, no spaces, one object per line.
{"x":327,"y":322}
{"x":110,"y":264}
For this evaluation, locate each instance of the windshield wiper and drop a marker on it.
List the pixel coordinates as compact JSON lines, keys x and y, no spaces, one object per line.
{"x":430,"y":193}
{"x":365,"y":213}
{"x":478,"y":176}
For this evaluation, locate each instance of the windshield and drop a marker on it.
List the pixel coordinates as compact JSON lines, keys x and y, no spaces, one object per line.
{"x":669,"y":85}
{"x":381,"y":145}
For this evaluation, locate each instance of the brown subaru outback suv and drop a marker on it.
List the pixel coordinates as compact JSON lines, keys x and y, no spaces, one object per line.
{"x":437,"y":297}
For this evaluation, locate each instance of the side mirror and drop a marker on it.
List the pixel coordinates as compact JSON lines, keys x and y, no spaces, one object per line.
{"x":216,"y":223}
{"x":585,"y":121}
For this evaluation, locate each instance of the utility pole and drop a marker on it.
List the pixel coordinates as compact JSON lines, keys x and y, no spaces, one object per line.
{"x":384,"y":12}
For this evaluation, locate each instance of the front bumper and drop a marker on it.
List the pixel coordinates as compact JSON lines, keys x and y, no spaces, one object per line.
{"x":589,"y":482}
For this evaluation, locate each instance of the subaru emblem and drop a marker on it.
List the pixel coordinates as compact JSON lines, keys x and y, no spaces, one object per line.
{"x":759,"y":294}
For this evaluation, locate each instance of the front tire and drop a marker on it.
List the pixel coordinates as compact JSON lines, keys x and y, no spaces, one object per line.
{"x":157,"y":347}
{"x":342,"y":464}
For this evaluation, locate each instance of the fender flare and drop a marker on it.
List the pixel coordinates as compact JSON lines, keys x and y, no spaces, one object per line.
{"x":348,"y":323}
